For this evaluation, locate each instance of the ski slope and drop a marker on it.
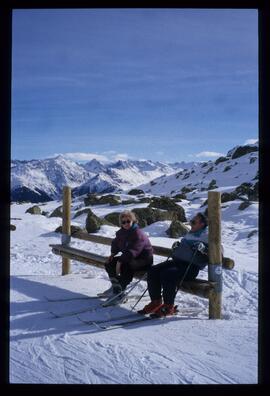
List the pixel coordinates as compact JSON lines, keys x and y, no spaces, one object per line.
{"x":189,"y":349}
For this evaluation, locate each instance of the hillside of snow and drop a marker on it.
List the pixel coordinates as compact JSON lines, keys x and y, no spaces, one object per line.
{"x":223,"y":174}
{"x":187,"y":349}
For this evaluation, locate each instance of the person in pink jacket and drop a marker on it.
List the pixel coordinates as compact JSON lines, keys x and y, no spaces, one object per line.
{"x":136,"y":253}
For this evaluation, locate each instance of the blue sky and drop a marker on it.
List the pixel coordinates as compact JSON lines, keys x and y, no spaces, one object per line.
{"x":161,"y":84}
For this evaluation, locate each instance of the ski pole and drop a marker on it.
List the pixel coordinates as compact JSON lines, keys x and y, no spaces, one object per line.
{"x":137,"y":302}
{"x":126,"y":292}
{"x":200,"y":248}
{"x":139,"y":299}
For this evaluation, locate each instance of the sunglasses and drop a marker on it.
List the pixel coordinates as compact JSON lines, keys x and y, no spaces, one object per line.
{"x":126,"y":221}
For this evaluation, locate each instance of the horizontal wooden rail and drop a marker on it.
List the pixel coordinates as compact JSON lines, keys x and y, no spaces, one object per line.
{"x":198,"y":287}
{"x":79,"y":255}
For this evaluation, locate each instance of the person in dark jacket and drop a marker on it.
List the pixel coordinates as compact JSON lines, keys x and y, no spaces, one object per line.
{"x":137,"y":253}
{"x":185,"y":263}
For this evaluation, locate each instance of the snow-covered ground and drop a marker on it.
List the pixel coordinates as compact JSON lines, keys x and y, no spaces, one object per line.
{"x":189,"y":349}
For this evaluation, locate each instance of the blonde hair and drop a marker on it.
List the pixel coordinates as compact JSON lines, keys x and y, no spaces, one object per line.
{"x":128,"y":214}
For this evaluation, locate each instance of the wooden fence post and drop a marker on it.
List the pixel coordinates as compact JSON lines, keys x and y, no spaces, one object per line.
{"x":215,"y":256}
{"x":66,"y":227}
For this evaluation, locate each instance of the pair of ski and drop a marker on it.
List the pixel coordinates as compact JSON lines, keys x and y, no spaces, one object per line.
{"x":83,"y":310}
{"x":119,"y":321}
{"x":74,"y":313}
{"x":114,"y":300}
{"x":135,"y":317}
{"x":63,"y":299}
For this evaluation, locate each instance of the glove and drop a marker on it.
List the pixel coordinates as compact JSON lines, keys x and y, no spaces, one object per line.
{"x":200,"y":247}
{"x":175,"y":244}
{"x":110,"y":258}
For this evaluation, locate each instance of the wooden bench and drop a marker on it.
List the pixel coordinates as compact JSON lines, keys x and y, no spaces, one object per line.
{"x":198,"y":287}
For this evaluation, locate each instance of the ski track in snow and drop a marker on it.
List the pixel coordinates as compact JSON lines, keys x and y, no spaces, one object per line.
{"x":190,"y":350}
{"x":97,"y":360}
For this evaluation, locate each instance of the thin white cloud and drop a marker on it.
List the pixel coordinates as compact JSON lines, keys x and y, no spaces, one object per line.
{"x":208,"y":154}
{"x":251,"y":141}
{"x":85,"y":157}
{"x":109,"y":152}
{"x":118,"y":157}
{"x":108,"y":156}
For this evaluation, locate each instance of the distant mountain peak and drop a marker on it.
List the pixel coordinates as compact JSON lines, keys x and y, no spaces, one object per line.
{"x":95,"y":166}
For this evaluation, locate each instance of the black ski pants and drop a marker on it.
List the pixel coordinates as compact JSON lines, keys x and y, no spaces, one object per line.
{"x":127,"y":269}
{"x":165,"y":277}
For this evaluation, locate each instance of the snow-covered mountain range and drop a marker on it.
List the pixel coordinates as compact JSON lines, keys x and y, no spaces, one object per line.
{"x":43,"y":180}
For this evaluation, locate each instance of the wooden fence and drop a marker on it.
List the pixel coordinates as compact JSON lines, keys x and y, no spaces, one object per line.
{"x":210,"y":289}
